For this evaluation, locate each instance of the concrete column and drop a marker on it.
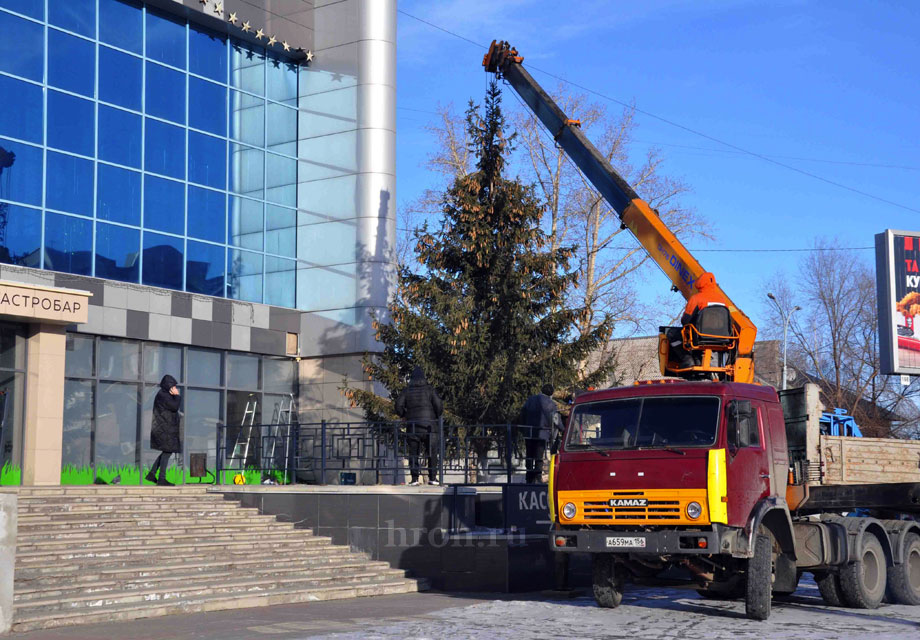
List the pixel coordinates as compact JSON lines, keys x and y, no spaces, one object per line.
{"x":44,"y":427}
{"x":7,"y":558}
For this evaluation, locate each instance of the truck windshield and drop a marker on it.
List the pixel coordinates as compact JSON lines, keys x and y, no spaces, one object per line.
{"x":645,"y":423}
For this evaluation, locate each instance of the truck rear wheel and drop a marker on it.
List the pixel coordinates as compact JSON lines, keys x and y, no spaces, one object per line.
{"x":759,"y":580}
{"x":863,"y":582}
{"x":608,"y":580}
{"x":904,"y":579}
{"x":829,"y":586}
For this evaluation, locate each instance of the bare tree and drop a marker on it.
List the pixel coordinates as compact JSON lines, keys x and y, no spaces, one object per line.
{"x":833,"y":340}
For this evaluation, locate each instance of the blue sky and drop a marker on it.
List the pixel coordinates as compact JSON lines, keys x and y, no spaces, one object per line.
{"x":831,"y":88}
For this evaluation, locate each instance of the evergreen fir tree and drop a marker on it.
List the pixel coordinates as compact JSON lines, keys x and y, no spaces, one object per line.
{"x":484,"y":317}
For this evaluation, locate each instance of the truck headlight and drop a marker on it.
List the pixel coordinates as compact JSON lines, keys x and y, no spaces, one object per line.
{"x":694,"y":510}
{"x":568,"y":510}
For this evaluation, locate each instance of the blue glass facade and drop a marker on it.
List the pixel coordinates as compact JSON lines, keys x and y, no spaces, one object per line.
{"x":138,"y":147}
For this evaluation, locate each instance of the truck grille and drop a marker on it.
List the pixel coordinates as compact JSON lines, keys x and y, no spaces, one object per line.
{"x":656,"y":510}
{"x":663,"y":507}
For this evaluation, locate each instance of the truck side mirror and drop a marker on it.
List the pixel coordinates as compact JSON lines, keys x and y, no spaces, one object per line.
{"x":739,"y":414}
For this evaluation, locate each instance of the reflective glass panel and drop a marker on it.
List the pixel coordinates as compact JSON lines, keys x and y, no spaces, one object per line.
{"x":118,"y":195}
{"x":242,"y":371}
{"x":117,"y":252}
{"x":207,"y":214}
{"x":76,"y":450}
{"x":119,"y":359}
{"x":165,"y":93}
{"x":207,"y":54}
{"x":119,"y":136}
{"x":165,"y":39}
{"x":71,"y":63}
{"x":69,"y":184}
{"x":22,"y":47}
{"x":120,"y":78}
{"x":247,"y":68}
{"x":247,"y":171}
{"x":204,"y":268}
{"x":80,"y":356}
{"x":281,"y":180}
{"x":163,"y":261}
{"x":25,"y":183}
{"x":12,"y":348}
{"x":207,"y":160}
{"x":115,"y":437}
{"x":247,"y":121}
{"x":280,"y":231}
{"x":147,"y":454}
{"x":23,"y":240}
{"x":207,"y":106}
{"x":78,"y":16}
{"x":21,"y":109}
{"x":12,"y":386}
{"x":278,"y":375}
{"x":244,"y":275}
{"x":165,"y":149}
{"x":282,"y":130}
{"x":121,"y":24}
{"x":160,"y":360}
{"x":282,"y":81}
{"x":245,"y":223}
{"x":32,"y":8}
{"x":164,"y":205}
{"x":202,"y":415}
{"x":204,"y":367}
{"x":68,"y":244}
{"x":280,"y":284}
{"x":71,"y":125}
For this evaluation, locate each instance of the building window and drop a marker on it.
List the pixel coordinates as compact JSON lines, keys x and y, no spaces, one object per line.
{"x":163,"y":135}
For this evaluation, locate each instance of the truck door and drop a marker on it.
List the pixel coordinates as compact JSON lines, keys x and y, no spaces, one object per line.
{"x":747,"y":460}
{"x":774,"y":429}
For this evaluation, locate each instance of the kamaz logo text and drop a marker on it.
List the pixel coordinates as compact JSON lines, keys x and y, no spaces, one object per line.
{"x":628,"y":502}
{"x":677,"y":265}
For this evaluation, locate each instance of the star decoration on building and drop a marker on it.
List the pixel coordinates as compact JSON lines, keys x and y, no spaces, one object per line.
{"x":310,"y":56}
{"x":218,"y":7}
{"x":233,"y":18}
{"x":272,"y":40}
{"x":260,"y":34}
{"x":286,"y":46}
{"x":246,"y":27}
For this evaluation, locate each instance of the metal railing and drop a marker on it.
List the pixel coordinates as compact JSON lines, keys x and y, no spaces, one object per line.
{"x":382,"y":452}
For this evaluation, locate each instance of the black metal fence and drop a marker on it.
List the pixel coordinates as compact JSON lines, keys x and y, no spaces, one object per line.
{"x":382,"y":452}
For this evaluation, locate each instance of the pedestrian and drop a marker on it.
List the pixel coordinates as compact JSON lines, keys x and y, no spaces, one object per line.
{"x":541,"y":415}
{"x":420,"y":406}
{"x":164,"y":429}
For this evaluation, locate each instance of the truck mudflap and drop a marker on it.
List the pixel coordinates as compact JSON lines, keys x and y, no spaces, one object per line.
{"x":718,"y":539}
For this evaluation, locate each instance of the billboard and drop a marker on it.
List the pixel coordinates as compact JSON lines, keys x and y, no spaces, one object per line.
{"x":897,"y":272}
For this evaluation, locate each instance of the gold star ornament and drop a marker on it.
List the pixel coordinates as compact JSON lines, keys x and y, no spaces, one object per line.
{"x":246,"y":27}
{"x":310,"y":56}
{"x":286,"y":46}
{"x":272,"y":40}
{"x":218,"y":7}
{"x":233,"y":18}
{"x":260,"y":34}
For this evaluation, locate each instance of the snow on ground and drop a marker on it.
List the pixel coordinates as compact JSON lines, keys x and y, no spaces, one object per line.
{"x":653,"y":614}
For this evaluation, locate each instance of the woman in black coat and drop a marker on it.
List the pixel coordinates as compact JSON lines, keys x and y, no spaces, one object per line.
{"x":164,"y":429}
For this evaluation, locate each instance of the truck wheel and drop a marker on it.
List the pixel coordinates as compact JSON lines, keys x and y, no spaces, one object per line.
{"x":759,"y":579}
{"x":904,"y":581}
{"x":829,"y":586}
{"x":608,"y":581}
{"x":863,"y":582}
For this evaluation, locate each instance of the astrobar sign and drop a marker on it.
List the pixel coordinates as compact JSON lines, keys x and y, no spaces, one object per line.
{"x":43,"y":304}
{"x":897,"y":258}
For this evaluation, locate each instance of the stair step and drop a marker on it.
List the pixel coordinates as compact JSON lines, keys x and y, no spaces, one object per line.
{"x":356,"y":570}
{"x":315,"y":559}
{"x":75,"y":506}
{"x":128,"y":527}
{"x":41,"y":618}
{"x":140,"y":542}
{"x":136,"y":511}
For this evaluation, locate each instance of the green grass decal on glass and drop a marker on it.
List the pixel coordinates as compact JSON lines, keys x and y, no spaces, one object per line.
{"x":10,"y":475}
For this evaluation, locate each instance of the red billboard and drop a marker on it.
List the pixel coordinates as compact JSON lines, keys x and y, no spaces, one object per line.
{"x":897,"y":257}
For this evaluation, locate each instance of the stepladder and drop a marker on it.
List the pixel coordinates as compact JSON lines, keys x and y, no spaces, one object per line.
{"x":276,"y":444}
{"x":247,"y":433}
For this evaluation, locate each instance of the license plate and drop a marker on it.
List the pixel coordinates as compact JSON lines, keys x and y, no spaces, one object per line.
{"x":625,"y":542}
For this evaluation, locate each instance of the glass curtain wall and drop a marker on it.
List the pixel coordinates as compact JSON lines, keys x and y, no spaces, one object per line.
{"x":137,"y":146}
{"x":109,"y":393}
{"x":12,"y":401}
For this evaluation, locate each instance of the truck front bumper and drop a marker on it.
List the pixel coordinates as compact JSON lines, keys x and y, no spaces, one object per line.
{"x":718,"y":539}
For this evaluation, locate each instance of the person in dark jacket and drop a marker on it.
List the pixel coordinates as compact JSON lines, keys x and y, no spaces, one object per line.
{"x":542,"y":416}
{"x":164,"y":429}
{"x":420,"y":406}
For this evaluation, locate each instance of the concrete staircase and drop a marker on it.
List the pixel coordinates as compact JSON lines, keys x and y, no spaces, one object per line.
{"x":96,"y":554}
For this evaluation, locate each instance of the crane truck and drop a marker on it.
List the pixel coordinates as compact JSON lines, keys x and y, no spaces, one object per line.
{"x":719,"y":484}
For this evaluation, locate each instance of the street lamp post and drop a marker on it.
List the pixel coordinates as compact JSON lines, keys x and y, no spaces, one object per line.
{"x":786,"y":319}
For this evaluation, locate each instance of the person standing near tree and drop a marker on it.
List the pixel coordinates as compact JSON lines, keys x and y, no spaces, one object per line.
{"x":542,"y":416}
{"x":420,"y":406}
{"x":164,"y":429}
